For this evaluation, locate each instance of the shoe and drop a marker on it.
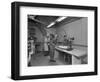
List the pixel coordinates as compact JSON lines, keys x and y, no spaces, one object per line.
{"x":46,"y":55}
{"x":52,"y":61}
{"x":29,"y":64}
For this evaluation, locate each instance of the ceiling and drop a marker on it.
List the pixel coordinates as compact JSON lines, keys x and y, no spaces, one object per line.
{"x":46,"y":20}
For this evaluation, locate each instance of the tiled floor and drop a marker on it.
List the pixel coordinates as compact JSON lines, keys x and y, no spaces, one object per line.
{"x":41,"y":60}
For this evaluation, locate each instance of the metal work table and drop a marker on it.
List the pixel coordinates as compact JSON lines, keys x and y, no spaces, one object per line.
{"x":76,"y":55}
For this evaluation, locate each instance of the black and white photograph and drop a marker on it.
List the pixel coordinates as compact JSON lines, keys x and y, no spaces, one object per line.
{"x":53,"y":40}
{"x":57,"y":40}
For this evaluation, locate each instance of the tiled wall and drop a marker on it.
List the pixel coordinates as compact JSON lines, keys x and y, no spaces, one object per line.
{"x":77,"y":29}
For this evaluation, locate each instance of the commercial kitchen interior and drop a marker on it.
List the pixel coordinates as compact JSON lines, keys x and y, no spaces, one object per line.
{"x":40,"y":26}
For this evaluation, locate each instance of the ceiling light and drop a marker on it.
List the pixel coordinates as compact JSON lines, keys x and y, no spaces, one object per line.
{"x":51,"y":24}
{"x":60,"y":19}
{"x":31,"y":17}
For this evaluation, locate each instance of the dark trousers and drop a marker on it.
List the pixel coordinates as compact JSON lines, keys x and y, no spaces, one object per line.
{"x":52,"y":49}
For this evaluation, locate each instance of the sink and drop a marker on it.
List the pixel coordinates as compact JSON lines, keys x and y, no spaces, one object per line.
{"x":64,"y":47}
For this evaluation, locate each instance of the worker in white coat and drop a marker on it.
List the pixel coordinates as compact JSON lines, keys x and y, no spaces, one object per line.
{"x":46,"y":46}
{"x":31,"y":50}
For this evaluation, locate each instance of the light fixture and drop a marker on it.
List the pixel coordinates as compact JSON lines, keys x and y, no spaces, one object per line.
{"x":31,"y":17}
{"x":51,"y":24}
{"x":60,"y":19}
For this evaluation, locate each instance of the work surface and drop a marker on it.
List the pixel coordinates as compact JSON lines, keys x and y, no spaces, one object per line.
{"x":74,"y":52}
